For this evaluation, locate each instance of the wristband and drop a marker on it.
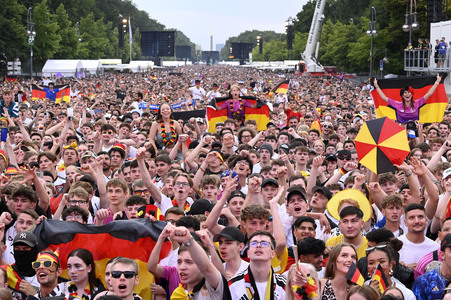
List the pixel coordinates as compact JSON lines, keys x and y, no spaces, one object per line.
{"x":343,"y":171}
{"x":200,"y":168}
{"x":409,"y":174}
{"x":187,"y":244}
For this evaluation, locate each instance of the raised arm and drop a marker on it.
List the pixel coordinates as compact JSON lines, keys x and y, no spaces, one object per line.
{"x":433,"y":88}
{"x":152,"y":265}
{"x":145,"y":175}
{"x":198,"y":255}
{"x":379,"y":91}
{"x":278,"y":230}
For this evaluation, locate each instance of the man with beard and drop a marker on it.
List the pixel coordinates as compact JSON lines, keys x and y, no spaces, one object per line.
{"x":106,"y":168}
{"x":22,"y":279}
{"x":311,"y":251}
{"x":47,"y":267}
{"x":415,"y":243}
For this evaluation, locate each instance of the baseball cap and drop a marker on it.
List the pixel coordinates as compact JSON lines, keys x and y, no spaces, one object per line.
{"x":344,"y":154}
{"x":446,"y":173}
{"x":324,"y":190}
{"x":270,"y":181}
{"x":296,"y":190}
{"x":236,"y":193}
{"x":446,"y":242}
{"x":270,"y":123}
{"x":26,"y":238}
{"x":199,"y":207}
{"x":231,"y":233}
{"x":88,"y":154}
{"x":199,"y":120}
{"x":240,"y":82}
{"x":331,"y":156}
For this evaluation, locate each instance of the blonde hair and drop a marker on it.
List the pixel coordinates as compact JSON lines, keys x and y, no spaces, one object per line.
{"x":311,"y":270}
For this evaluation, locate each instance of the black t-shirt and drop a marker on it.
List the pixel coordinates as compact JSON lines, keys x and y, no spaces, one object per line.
{"x":120,"y":94}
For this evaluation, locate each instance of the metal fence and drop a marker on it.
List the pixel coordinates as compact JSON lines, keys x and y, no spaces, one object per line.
{"x":426,"y":61}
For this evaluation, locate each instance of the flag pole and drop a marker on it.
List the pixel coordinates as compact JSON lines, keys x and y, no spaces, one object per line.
{"x":131,"y":37}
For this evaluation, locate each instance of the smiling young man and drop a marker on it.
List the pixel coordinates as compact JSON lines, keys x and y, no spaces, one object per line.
{"x":259,"y":281}
{"x":47,"y":267}
{"x":117,"y":193}
{"x":124,"y":278}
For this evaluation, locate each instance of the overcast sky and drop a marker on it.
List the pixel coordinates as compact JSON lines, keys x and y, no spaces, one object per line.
{"x":199,"y":18}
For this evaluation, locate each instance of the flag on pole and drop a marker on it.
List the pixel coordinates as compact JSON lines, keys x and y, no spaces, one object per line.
{"x":354,"y":275}
{"x":130,"y":29}
{"x":431,"y":112}
{"x":379,"y":276}
{"x":281,"y":88}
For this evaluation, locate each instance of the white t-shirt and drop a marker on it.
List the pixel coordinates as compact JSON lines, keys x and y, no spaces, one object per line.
{"x":243,"y":266}
{"x":412,"y":253}
{"x":197,"y":93}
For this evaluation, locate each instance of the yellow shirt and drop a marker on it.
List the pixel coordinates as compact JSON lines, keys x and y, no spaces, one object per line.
{"x":335,"y":240}
{"x":279,"y":263}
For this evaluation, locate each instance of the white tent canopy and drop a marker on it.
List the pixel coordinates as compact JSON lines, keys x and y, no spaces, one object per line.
{"x":92,"y":67}
{"x":140,"y":65}
{"x":62,"y":67}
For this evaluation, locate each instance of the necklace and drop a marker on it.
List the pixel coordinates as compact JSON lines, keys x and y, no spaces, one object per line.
{"x":239,"y":110}
{"x":172,"y":139}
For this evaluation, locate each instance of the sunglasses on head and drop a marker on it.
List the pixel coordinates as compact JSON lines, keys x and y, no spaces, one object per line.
{"x":127,"y":274}
{"x":375,"y":248}
{"x":37,"y":264}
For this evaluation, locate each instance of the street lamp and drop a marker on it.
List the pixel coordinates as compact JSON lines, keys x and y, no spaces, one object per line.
{"x":78,"y":31}
{"x":289,"y":26}
{"x":411,"y":20}
{"x":384,"y":60}
{"x":372,"y":31}
{"x":31,"y":35}
{"x":260,"y":43}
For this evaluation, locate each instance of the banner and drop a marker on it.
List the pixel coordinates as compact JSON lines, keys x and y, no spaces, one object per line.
{"x":432,"y":111}
{"x":129,"y":238}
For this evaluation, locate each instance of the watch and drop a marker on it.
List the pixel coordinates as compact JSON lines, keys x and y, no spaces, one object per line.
{"x":187,"y":244}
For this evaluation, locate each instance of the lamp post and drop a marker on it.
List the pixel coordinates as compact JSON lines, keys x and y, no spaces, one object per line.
{"x":289,"y":28}
{"x":31,"y":35}
{"x":260,"y":43}
{"x":372,"y":31}
{"x":411,"y":19}
{"x":78,"y":31}
{"x":385,"y":59}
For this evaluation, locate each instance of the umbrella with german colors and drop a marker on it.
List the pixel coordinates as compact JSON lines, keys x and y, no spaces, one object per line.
{"x":380,"y":144}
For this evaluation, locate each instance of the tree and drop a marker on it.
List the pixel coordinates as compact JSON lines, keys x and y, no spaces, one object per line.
{"x":46,"y":42}
{"x":68,"y":47}
{"x":94,"y":39}
{"x":12,"y":27}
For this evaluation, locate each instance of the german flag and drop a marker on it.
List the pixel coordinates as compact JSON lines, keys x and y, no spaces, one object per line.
{"x":129,"y":238}
{"x":435,"y":106}
{"x":281,"y":88}
{"x":259,"y":114}
{"x":11,"y":79}
{"x":61,"y":95}
{"x":379,"y":276}
{"x":354,"y":275}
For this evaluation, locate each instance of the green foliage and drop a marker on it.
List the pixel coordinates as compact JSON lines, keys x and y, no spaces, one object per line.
{"x":47,"y":40}
{"x":94,"y":40}
{"x":12,"y":27}
{"x":68,"y":47}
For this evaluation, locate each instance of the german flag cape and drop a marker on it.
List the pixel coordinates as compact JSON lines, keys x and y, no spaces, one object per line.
{"x":379,"y":276}
{"x":129,"y":238}
{"x":435,"y":106}
{"x":281,"y":88}
{"x":354,"y":275}
{"x":61,"y":95}
{"x":259,"y":114}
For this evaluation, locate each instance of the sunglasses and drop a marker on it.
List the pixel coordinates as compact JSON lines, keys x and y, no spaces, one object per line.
{"x":127,"y":274}
{"x":37,"y":264}
{"x":344,"y":158}
{"x":143,"y":192}
{"x":108,"y":132}
{"x":375,"y":248}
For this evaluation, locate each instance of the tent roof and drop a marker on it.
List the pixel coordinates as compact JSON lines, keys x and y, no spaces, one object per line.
{"x":61,"y":65}
{"x":91,"y":63}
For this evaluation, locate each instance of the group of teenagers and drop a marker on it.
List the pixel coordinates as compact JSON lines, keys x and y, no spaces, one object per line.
{"x":281,"y":213}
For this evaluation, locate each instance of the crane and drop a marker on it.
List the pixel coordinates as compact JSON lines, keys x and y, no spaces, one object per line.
{"x":309,"y":56}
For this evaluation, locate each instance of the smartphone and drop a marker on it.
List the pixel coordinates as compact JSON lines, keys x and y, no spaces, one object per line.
{"x":70,"y":112}
{"x":4,"y":134}
{"x":98,"y":110}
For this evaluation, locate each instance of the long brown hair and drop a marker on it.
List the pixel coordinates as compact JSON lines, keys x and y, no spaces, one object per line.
{"x":331,"y":265}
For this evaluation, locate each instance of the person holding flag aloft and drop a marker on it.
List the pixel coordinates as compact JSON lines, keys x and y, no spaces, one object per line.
{"x":382,"y":261}
{"x":235,"y":104}
{"x":408,"y":109}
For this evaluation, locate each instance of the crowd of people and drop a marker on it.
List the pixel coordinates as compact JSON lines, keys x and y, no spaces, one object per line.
{"x":281,"y":213}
